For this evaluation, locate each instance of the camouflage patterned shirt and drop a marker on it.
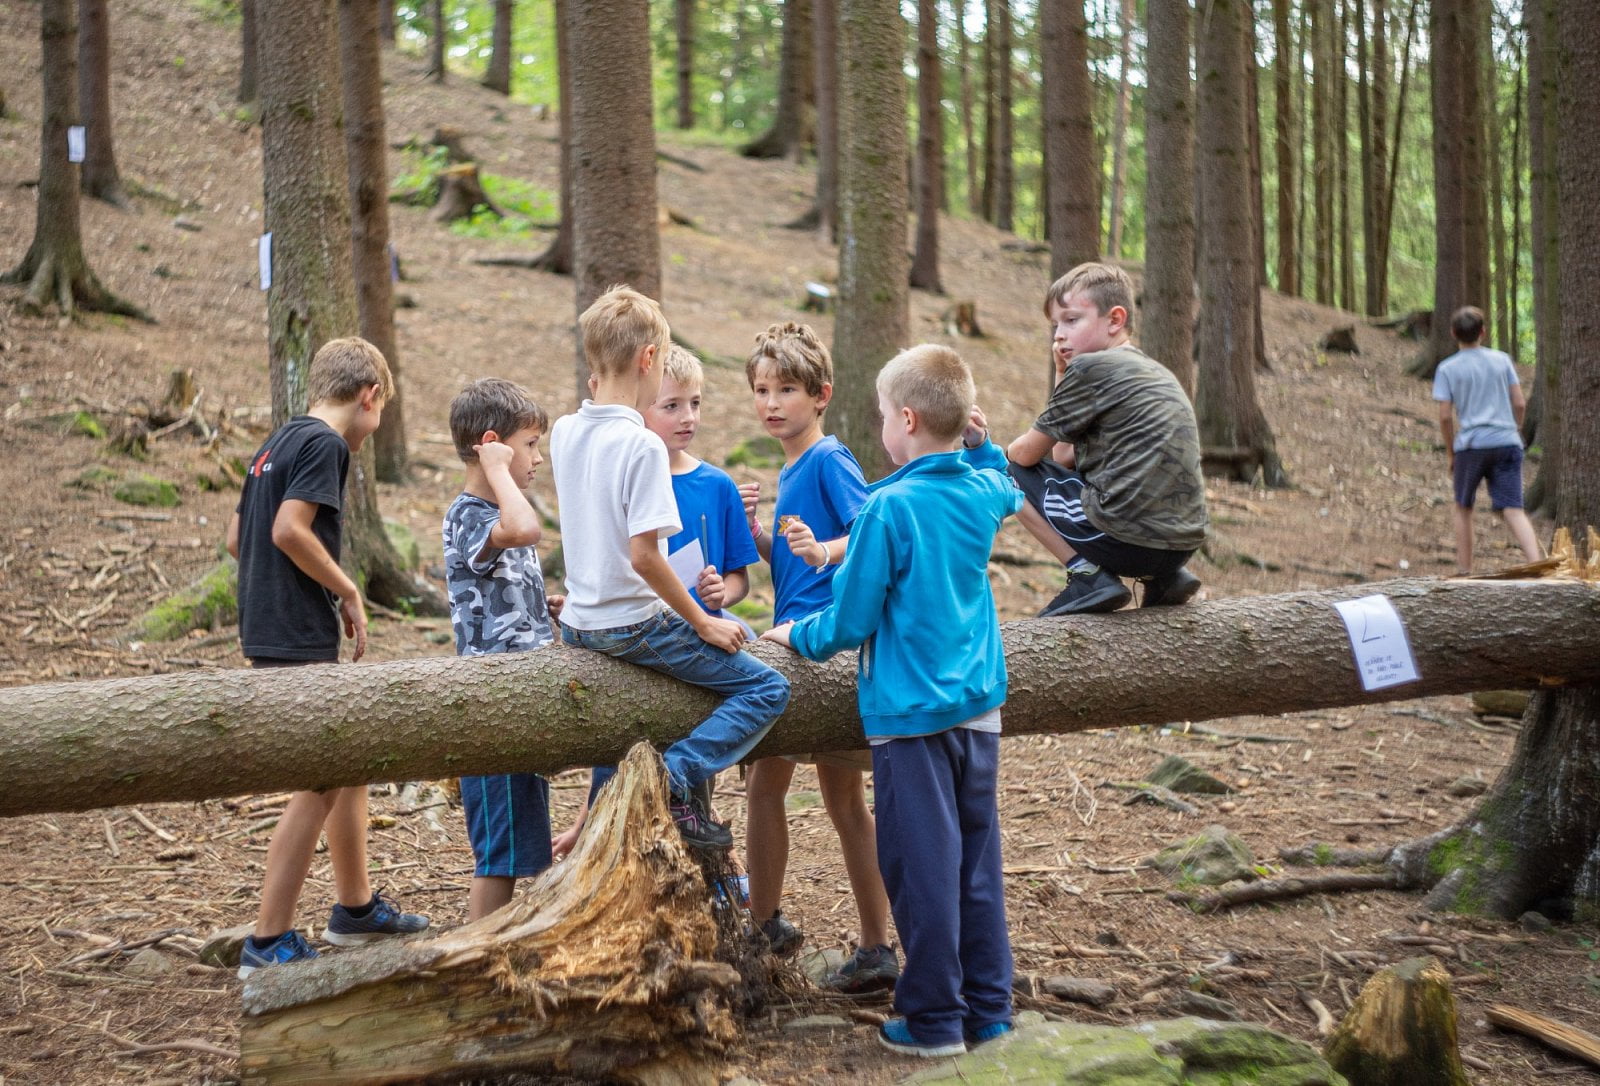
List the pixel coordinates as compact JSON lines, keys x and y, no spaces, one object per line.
{"x":496,"y":596}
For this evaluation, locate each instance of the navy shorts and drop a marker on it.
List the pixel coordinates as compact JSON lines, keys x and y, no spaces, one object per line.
{"x":1057,"y":493}
{"x":508,"y":822}
{"x":1501,"y":466}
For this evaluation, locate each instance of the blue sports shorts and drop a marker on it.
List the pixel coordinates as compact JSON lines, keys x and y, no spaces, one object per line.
{"x":508,"y":822}
{"x":1501,"y":466}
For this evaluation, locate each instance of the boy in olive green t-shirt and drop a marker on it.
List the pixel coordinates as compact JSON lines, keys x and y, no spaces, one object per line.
{"x":1135,"y":505}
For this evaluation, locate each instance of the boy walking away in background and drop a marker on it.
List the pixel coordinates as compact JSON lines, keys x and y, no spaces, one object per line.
{"x":293,"y":598}
{"x":1135,"y":505}
{"x":497,"y":604}
{"x":1480,"y":414}
{"x":820,"y":490}
{"x":623,"y":599}
{"x":914,"y":595}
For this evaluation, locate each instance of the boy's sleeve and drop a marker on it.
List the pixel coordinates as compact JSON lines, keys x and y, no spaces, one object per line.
{"x":647,"y":498}
{"x":860,"y":589}
{"x":317,"y":473}
{"x":474,"y":524}
{"x":738,"y":546}
{"x":1441,"y":386}
{"x":844,"y":487}
{"x":1071,"y":409}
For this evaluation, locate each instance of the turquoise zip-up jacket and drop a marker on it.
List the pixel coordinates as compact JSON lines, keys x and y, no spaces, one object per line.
{"x":913,"y":594}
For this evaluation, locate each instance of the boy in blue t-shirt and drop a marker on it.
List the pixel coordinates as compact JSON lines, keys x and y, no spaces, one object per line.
{"x":497,"y":604}
{"x":916,"y":586}
{"x":820,"y":490}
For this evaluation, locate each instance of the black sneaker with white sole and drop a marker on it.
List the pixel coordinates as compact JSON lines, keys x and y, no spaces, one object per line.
{"x":1171,"y":589}
{"x":1088,"y":594}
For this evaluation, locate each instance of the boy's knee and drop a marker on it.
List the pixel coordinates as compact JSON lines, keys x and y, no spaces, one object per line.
{"x":774,"y":693}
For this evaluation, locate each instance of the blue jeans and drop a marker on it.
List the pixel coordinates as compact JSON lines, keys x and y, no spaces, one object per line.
{"x":753,"y":694}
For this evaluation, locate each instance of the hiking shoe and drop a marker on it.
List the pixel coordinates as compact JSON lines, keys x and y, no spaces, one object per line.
{"x":1170,"y":589}
{"x":988,"y":1033}
{"x":895,"y":1035}
{"x":291,"y":946}
{"x":782,"y":937}
{"x":698,"y":831}
{"x":1089,"y":594}
{"x":384,"y":920}
{"x":869,"y":969}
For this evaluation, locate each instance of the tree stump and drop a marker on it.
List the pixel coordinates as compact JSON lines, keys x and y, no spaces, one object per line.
{"x":450,"y":139}
{"x":961,"y":318}
{"x":461,"y":194}
{"x":601,"y":968}
{"x":1401,"y":1030}
{"x":1342,"y":338}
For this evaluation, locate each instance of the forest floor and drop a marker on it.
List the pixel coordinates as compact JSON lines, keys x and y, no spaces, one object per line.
{"x":1369,"y":500}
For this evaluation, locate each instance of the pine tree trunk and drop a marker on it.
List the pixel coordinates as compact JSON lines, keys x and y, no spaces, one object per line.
{"x":1229,"y":414}
{"x":1323,"y":166}
{"x":1167,"y":334}
{"x":1535,"y":840}
{"x":367,"y":149}
{"x":825,"y":39}
{"x":790,"y":134}
{"x":100,"y":178}
{"x":1391,"y":185}
{"x":964,"y":73}
{"x":54,"y":268}
{"x":1074,"y":212}
{"x":1287,"y":145}
{"x":1341,"y":138}
{"x":1004,"y":144}
{"x":1373,"y":106}
{"x":557,"y":257}
{"x":930,"y":150}
{"x":1450,"y":203}
{"x":1475,"y":156}
{"x":683,"y":23}
{"x":1502,"y":276}
{"x":1258,"y":199}
{"x":247,"y":51}
{"x":497,"y":77}
{"x":1119,"y":127}
{"x":385,"y":20}
{"x":1544,"y":226}
{"x":873,"y":319}
{"x":991,"y":124}
{"x":199,"y":735}
{"x":438,"y":41}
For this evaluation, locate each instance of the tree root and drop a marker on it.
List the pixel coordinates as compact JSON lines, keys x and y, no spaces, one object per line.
{"x":1282,"y":890}
{"x":70,"y":285}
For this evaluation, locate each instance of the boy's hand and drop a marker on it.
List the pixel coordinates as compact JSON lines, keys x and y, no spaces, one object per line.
{"x":720,"y":633}
{"x":780,"y":634}
{"x":977,"y":430}
{"x":494,"y":454}
{"x":355,"y":623}
{"x":750,"y":494}
{"x":803,"y":544}
{"x":554,"y":604}
{"x":713,"y":593}
{"x":562,"y":844}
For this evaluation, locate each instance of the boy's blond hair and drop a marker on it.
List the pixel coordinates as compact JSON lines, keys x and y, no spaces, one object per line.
{"x":617,"y":326}
{"x":795,"y":354}
{"x":343,"y":367}
{"x":932,"y":380}
{"x":1103,"y":284}
{"x":491,"y":403}
{"x":684,"y":368}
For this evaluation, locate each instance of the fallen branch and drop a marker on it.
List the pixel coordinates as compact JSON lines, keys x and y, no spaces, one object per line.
{"x":134,"y":1048}
{"x":1558,"y":1035}
{"x":1281,"y":890}
{"x":1315,"y":1006}
{"x":1154,"y":793}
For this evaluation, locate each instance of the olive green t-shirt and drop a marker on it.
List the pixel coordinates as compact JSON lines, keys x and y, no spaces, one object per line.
{"x":1138,"y":448}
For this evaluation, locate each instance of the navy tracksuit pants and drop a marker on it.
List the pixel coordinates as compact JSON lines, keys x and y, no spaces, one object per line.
{"x":939,"y":851}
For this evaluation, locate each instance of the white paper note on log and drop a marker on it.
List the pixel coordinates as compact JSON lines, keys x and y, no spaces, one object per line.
{"x":1378,"y":639}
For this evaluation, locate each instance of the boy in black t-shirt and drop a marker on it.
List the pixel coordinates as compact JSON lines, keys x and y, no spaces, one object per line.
{"x":293,"y":598}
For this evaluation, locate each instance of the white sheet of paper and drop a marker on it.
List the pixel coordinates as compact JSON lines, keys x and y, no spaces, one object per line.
{"x":264,"y":256}
{"x":687,"y":562}
{"x":1378,"y":639}
{"x":76,"y":143}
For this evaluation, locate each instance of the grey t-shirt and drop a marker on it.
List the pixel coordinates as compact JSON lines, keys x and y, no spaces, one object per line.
{"x":496,"y":596}
{"x":1138,"y":448}
{"x":1478,"y":382}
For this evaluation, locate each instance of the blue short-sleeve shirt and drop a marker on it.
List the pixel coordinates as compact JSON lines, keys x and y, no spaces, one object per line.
{"x":825,"y":488}
{"x":711,"y":512}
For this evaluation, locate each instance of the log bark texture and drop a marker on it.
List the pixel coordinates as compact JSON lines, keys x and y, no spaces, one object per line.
{"x":77,"y":746}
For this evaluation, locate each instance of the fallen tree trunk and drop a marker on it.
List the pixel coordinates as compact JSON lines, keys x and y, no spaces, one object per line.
{"x":76,"y":746}
{"x":602,"y":968}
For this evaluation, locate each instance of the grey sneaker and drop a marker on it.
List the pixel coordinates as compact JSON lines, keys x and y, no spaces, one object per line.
{"x":383,"y":921}
{"x":869,"y":969}
{"x":783,"y":937}
{"x":1088,"y":594}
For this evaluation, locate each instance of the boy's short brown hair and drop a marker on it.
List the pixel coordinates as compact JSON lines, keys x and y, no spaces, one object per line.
{"x":1466,"y":324}
{"x":684,"y":368}
{"x":491,"y":403}
{"x":1106,"y":285}
{"x":795,"y":353}
{"x":933,"y":381}
{"x":617,"y":326}
{"x":341,"y":368}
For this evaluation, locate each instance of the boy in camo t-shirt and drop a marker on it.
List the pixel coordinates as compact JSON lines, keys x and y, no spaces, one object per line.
{"x":497,"y":604}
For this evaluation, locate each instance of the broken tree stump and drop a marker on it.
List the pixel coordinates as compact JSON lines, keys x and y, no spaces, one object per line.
{"x":1401,"y":1031}
{"x":1342,"y":338}
{"x":461,"y":194}
{"x":602,"y":968}
{"x":961,"y":318}
{"x":450,"y":138}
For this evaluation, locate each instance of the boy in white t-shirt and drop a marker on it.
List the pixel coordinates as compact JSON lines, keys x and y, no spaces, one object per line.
{"x":623,"y":598}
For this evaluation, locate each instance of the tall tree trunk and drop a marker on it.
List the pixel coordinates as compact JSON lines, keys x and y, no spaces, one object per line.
{"x":1258,"y":199}
{"x":825,"y":42}
{"x":1074,"y":208}
{"x":497,"y":77}
{"x":964,"y":73}
{"x":1514,"y":266}
{"x":557,"y":257}
{"x":1305,"y":150}
{"x":1119,"y":126}
{"x":312,"y":298}
{"x":367,"y":149}
{"x":930,"y":150}
{"x":385,"y":20}
{"x":1503,"y":274}
{"x":1167,"y":334}
{"x":873,"y":318}
{"x":100,"y":178}
{"x":55,"y":269}
{"x":1287,"y":144}
{"x":683,"y":23}
{"x":1385,"y":225}
{"x":1004,"y":144}
{"x":1544,"y":130}
{"x":790,"y":134}
{"x":1230,"y":416}
{"x":1452,"y":253}
{"x":1535,"y":840}
{"x":247,"y":51}
{"x":991,"y":121}
{"x":438,"y":41}
{"x":1475,"y":155}
{"x":614,"y":235}
{"x":1372,"y":62}
{"x":204,"y":734}
{"x":1323,"y":167}
{"x":1341,"y":138}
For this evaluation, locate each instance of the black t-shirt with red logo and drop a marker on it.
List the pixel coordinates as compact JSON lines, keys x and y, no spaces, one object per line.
{"x":283,"y":614}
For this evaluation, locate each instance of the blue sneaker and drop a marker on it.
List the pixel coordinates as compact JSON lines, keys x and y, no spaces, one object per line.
{"x":895,"y":1035}
{"x":288,"y":947}
{"x":989,"y":1032}
{"x":383,"y":921}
